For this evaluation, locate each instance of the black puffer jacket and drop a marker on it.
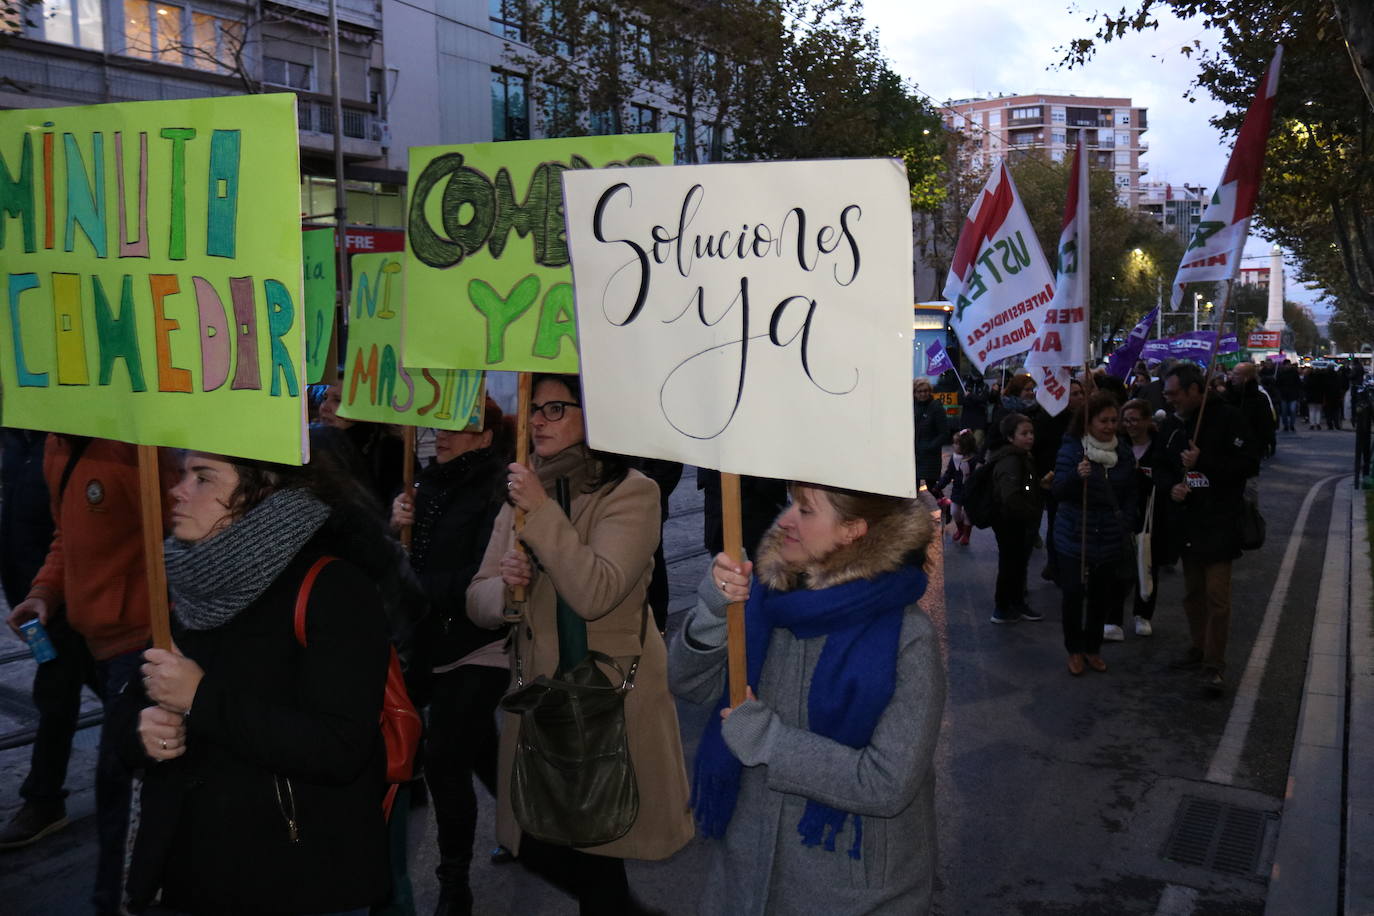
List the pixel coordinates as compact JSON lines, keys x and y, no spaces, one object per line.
{"x":455,"y":506}
{"x":1206,"y":525}
{"x":275,"y":730}
{"x":1019,"y":497}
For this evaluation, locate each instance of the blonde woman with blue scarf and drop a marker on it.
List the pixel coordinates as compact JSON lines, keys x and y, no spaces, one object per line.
{"x":834,"y":747}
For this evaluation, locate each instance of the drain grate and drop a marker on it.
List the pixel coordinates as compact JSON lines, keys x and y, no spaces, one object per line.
{"x":1215,"y":835}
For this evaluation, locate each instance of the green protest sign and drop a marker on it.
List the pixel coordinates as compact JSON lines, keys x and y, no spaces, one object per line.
{"x":321,"y":281}
{"x":378,"y":386}
{"x":487,"y":252}
{"x":152,"y":261}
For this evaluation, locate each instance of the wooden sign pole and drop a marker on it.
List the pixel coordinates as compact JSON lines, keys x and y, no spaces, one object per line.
{"x":522,"y":456}
{"x":734,"y":615}
{"x":1212,"y":361}
{"x":408,"y":478}
{"x":150,"y":502}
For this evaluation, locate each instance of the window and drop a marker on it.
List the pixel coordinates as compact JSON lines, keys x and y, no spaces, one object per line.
{"x":1123,"y":119}
{"x":994,"y":119}
{"x":79,"y":23}
{"x":559,"y":110}
{"x":288,"y":73}
{"x":601,"y":123}
{"x":677,"y":125}
{"x":710,"y":138}
{"x":643,"y":119}
{"x":154,"y":31}
{"x":510,"y":113}
{"x":1123,"y":157}
{"x":1123,"y":180}
{"x":1058,"y":137}
{"x":215,"y":42}
{"x":1057,"y":115}
{"x":1123,"y":139}
{"x":639,"y":43}
{"x":1020,"y":114}
{"x":553,"y":18}
{"x":505,"y":19}
{"x":1057,"y":155}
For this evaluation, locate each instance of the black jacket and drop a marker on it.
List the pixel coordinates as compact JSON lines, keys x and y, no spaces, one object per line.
{"x":1259,"y":415}
{"x":273,"y":724}
{"x":1019,"y":496}
{"x":1206,"y":525}
{"x":932,"y":435}
{"x":455,"y":506}
{"x":26,"y":526}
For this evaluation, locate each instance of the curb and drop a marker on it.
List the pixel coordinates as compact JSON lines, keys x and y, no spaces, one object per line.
{"x":1358,"y":865}
{"x":1307,"y":871}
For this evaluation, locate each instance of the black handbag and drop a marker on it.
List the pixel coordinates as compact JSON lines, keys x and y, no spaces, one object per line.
{"x":573,"y":782}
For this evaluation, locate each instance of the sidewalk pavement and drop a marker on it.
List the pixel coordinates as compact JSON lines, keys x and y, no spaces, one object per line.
{"x":1324,"y":857}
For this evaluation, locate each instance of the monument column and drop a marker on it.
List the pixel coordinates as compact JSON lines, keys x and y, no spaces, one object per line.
{"x":1275,"y":320}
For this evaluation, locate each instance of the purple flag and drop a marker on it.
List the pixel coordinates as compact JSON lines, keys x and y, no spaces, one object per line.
{"x":1124,"y":357}
{"x":1194,"y":345}
{"x":937,"y":359}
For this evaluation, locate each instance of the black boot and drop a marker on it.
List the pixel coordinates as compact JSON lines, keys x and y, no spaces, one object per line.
{"x":454,"y":901}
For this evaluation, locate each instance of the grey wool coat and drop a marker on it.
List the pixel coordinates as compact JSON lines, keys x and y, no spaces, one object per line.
{"x":760,"y":865}
{"x":600,"y":560}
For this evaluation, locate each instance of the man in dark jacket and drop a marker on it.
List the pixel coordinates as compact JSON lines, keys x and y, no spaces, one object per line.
{"x":1204,"y":471}
{"x":1289,"y":385}
{"x":26,"y":528}
{"x":1243,"y":392}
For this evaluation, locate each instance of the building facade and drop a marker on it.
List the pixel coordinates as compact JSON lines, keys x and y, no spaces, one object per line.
{"x":411,"y":73}
{"x":1013,"y":125}
{"x":1177,"y":208}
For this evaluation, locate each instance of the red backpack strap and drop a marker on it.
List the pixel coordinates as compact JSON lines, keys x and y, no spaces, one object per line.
{"x":303,"y":596}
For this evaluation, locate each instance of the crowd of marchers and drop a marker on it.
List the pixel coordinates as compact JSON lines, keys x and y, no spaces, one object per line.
{"x":242,"y":769}
{"x":1130,"y":478}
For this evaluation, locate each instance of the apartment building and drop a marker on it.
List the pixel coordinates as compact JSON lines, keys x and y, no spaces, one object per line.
{"x":1177,"y":208}
{"x":411,"y":73}
{"x":1011,"y":125}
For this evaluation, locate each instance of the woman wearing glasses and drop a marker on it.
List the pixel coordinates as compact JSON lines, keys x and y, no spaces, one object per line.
{"x":596,"y":560}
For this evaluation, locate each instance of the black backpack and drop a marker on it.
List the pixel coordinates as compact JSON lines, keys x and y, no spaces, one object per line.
{"x":980,"y":496}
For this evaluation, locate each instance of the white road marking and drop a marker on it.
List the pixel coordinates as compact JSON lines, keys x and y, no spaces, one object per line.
{"x":1226,"y":758}
{"x":1176,"y":900}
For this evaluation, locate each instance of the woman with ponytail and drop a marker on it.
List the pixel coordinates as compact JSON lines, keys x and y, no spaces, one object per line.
{"x":834,"y":746}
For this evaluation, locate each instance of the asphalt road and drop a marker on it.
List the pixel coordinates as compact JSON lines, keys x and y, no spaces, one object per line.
{"x":1056,"y":795}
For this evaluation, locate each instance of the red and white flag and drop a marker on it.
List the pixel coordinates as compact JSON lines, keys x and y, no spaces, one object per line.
{"x":1063,"y":338}
{"x":1215,"y":250}
{"x":998,"y":281}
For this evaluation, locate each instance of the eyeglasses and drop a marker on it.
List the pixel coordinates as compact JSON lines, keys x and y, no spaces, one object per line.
{"x":552,"y":410}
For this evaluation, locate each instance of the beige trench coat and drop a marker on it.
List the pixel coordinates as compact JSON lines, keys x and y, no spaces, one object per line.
{"x":601,"y":563}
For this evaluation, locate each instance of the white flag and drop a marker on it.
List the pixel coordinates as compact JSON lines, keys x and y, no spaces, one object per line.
{"x":1215,"y":250}
{"x":998,"y":281}
{"x":1063,"y":337}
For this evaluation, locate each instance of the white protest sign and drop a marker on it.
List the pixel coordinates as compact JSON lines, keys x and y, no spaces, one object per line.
{"x":754,"y":318}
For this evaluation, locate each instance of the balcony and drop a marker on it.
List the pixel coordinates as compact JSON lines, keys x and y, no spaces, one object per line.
{"x":365,"y":135}
{"x":366,"y":13}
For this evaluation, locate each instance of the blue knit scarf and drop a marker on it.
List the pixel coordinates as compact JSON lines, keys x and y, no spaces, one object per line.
{"x":850,"y":688}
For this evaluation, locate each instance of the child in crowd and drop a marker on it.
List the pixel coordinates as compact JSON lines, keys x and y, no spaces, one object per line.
{"x":957,"y":472}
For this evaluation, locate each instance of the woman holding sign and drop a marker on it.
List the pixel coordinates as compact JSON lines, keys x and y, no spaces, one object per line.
{"x":821,"y":786}
{"x":586,"y":576}
{"x":263,"y":760}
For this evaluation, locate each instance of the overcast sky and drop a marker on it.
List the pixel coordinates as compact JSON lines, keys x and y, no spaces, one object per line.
{"x":983,"y":47}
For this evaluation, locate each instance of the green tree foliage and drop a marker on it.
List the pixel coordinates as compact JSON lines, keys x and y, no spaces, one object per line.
{"x":774,"y":79}
{"x":1249,"y":309}
{"x":1131,"y":259}
{"x":1320,"y":166}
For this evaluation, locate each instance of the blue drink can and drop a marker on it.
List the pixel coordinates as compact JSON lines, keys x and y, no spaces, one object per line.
{"x":39,"y":644}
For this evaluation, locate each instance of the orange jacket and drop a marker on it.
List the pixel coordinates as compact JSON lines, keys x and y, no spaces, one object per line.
{"x":95,"y":563}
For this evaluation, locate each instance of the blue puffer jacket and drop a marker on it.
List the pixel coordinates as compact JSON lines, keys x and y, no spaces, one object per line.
{"x":1106,"y":514}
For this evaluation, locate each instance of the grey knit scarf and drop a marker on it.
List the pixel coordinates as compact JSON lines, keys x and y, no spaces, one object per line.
{"x":213,"y":580}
